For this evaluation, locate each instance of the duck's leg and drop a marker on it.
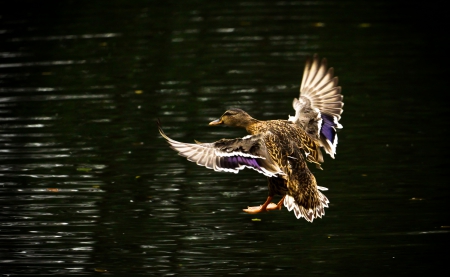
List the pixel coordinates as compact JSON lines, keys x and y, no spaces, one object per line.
{"x":259,"y":209}
{"x":277,"y":185}
{"x":278,"y":206}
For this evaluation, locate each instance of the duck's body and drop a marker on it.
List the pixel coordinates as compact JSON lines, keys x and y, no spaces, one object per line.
{"x":298,"y":185}
{"x":279,"y":149}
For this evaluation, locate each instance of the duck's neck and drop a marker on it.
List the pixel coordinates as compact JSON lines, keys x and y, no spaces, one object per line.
{"x":253,"y":126}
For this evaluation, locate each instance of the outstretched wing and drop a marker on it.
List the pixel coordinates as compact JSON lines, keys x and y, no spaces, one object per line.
{"x":228,"y":155}
{"x":319,"y":107}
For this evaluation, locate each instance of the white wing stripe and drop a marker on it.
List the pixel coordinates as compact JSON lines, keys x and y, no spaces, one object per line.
{"x":234,"y":153}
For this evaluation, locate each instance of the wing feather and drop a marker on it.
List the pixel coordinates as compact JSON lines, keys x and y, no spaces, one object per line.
{"x":228,"y":155}
{"x":320,"y":105}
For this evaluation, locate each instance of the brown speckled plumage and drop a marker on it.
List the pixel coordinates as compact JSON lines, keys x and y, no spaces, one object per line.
{"x":279,"y":149}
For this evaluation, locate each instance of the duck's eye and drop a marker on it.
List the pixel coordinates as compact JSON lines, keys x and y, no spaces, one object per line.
{"x":227,"y":113}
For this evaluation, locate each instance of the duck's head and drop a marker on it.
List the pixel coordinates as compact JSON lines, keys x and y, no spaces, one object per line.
{"x":234,"y":118}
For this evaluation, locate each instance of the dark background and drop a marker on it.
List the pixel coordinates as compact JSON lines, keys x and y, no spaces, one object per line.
{"x":87,"y":185}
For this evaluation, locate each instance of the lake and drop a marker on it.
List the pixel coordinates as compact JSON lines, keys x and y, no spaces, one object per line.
{"x":89,"y":187}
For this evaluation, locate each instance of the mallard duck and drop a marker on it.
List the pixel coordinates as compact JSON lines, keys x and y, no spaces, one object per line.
{"x":279,"y":149}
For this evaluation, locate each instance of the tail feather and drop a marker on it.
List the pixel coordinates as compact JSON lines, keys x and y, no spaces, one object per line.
{"x":318,"y":210}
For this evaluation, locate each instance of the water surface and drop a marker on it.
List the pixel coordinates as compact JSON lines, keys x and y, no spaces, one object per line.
{"x":87,"y":185}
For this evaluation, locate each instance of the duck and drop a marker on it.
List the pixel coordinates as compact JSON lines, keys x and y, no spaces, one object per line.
{"x":280,"y":149}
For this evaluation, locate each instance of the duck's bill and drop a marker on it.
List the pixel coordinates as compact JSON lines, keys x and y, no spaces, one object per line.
{"x":215,"y":122}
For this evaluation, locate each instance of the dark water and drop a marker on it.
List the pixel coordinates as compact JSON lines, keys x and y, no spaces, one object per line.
{"x":87,"y":185}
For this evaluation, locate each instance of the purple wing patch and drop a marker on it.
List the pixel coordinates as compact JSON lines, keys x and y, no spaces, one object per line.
{"x":234,"y":162}
{"x":328,"y":127}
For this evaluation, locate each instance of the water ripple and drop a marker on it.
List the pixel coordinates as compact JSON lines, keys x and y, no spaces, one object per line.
{"x":68,"y":37}
{"x":45,"y":63}
{"x":53,"y":97}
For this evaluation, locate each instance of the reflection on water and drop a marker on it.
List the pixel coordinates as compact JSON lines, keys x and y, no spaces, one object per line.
{"x":87,"y":186}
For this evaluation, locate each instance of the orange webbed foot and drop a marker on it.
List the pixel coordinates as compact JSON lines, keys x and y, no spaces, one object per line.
{"x":272,"y":206}
{"x":267,"y":206}
{"x":260,"y":209}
